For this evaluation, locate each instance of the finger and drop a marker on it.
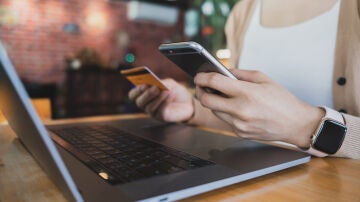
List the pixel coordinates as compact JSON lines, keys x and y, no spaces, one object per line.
{"x":169,"y":82}
{"x":146,"y":97}
{"x":250,"y":75}
{"x":212,"y":101}
{"x":227,"y":86}
{"x":153,"y":106}
{"x":135,"y":92}
{"x":175,"y":113}
{"x":199,"y":92}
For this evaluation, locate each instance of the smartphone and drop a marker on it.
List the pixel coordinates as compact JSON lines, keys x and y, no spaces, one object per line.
{"x":143,"y":75}
{"x":193,"y":58}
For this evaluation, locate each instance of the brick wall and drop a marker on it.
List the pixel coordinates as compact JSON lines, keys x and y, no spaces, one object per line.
{"x":32,"y":31}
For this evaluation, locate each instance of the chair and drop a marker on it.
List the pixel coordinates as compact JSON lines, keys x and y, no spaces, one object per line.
{"x":42,"y":107}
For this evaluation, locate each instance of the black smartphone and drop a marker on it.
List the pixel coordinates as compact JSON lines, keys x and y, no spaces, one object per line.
{"x":193,"y":58}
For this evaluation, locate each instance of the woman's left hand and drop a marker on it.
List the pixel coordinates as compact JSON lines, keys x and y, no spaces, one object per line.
{"x":258,"y":108}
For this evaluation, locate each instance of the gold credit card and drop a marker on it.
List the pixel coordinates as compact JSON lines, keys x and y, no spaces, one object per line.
{"x":143,"y":75}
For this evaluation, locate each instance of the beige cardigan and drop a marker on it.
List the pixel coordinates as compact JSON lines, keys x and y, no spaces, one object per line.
{"x":347,"y":64}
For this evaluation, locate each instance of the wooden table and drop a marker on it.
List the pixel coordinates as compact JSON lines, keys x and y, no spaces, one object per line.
{"x":322,"y":179}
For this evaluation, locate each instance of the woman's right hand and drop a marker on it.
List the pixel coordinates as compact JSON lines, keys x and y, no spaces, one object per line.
{"x":173,"y":105}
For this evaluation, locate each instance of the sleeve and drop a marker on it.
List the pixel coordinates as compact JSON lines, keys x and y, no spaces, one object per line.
{"x":351,"y":145}
{"x":235,"y":28}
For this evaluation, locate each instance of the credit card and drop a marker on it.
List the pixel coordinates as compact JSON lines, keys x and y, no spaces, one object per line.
{"x":143,"y":75}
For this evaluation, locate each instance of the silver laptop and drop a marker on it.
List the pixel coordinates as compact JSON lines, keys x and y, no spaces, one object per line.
{"x":137,"y":159}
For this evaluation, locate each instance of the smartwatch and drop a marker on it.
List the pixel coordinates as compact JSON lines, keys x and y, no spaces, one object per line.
{"x":330,"y":134}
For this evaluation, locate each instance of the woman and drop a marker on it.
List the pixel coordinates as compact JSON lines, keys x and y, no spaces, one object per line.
{"x":279,"y":102}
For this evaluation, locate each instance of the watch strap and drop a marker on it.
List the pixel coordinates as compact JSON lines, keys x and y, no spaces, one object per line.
{"x":333,"y":114}
{"x":315,"y":152}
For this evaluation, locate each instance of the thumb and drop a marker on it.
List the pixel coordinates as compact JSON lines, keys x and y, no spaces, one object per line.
{"x":250,"y":76}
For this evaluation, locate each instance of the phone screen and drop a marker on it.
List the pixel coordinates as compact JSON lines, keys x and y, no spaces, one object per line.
{"x":192,"y":63}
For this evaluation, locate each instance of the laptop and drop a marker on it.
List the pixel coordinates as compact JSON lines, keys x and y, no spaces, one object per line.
{"x":134,"y":159}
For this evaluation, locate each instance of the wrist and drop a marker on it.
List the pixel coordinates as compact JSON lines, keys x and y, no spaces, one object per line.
{"x":311,"y":122}
{"x":192,"y":116}
{"x":329,"y":135}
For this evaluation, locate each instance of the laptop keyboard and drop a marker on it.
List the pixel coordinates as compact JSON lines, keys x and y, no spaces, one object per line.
{"x":119,"y":157}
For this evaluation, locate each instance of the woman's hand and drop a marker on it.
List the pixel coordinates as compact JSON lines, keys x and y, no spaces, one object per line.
{"x":256,"y":107}
{"x":173,"y":105}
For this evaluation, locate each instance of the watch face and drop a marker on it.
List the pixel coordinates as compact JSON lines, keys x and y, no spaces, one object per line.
{"x":330,"y":137}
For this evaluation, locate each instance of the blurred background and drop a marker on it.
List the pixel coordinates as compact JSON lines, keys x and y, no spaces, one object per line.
{"x":68,"y":53}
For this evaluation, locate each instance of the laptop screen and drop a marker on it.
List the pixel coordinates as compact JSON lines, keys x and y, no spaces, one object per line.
{"x":23,"y":119}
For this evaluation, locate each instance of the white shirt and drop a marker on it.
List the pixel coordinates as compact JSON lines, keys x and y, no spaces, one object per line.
{"x":299,"y":57}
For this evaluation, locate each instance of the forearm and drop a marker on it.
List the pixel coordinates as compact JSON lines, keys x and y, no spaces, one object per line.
{"x":204,"y":117}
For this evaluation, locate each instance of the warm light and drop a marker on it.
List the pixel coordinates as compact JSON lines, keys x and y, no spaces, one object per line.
{"x":96,"y":16}
{"x":223,"y":54}
{"x":2,"y":118}
{"x":104,"y":175}
{"x":96,"y":20}
{"x":21,"y":5}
